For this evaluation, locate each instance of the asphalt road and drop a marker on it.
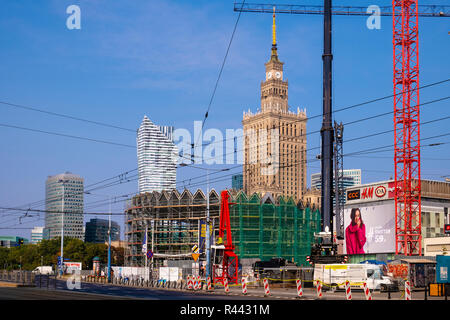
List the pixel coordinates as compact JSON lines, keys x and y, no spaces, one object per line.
{"x":62,"y":290}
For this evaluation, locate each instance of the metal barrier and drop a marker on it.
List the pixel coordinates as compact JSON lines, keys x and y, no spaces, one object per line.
{"x":18,"y":276}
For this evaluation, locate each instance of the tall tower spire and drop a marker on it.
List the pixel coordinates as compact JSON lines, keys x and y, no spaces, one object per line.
{"x":274,"y":37}
{"x":274,"y":29}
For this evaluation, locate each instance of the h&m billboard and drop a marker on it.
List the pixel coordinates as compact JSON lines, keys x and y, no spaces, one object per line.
{"x":369,"y":229}
{"x":375,"y":192}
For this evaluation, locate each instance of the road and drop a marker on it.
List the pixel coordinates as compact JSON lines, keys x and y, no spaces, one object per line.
{"x":254,"y":293}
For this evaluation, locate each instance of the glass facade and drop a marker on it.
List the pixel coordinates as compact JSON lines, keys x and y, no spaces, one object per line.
{"x":64,"y":192}
{"x":157,"y":157}
{"x":97,"y":231}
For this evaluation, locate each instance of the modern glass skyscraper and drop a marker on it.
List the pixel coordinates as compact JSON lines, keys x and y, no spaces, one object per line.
{"x":64,"y":193}
{"x":352,"y":177}
{"x":157,"y":157}
{"x":37,"y":234}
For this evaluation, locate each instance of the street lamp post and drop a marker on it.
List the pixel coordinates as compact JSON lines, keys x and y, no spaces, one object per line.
{"x":61,"y":271}
{"x":208,"y":219}
{"x":109,"y":242}
{"x":109,"y":231}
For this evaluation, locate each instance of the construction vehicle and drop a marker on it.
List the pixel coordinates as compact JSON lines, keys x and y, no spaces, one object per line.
{"x":275,"y":268}
{"x":225,"y":261}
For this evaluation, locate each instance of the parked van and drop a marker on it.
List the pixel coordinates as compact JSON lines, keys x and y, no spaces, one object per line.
{"x":335,"y":275}
{"x":43,"y":270}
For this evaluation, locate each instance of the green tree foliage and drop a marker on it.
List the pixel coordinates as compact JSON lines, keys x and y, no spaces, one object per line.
{"x":46,"y":253}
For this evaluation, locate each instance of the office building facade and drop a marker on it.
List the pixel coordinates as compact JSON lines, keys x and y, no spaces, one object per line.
{"x":64,"y":203}
{"x":97,"y":231}
{"x":157,"y":157}
{"x":352,"y":177}
{"x":37,"y":234}
{"x":237,"y":181}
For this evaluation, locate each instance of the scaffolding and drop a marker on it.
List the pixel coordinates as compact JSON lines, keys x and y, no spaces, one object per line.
{"x":262,"y":227}
{"x":172,"y":220}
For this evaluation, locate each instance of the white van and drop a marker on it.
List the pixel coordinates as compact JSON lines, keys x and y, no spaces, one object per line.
{"x":335,"y":275}
{"x":43,"y":270}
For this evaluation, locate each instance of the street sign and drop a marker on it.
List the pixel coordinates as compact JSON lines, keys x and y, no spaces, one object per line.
{"x":195,"y":256}
{"x":195,"y":249}
{"x":149,"y":254}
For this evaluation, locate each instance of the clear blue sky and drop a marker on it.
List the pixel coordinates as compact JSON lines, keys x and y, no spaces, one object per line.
{"x":161,"y":59}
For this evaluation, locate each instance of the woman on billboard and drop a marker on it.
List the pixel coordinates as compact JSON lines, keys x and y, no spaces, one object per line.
{"x":355,"y":233}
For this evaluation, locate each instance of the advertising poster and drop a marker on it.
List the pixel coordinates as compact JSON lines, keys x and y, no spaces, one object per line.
{"x":369,"y":229}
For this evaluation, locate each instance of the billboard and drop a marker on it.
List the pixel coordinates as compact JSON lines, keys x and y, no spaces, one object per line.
{"x":369,"y":229}
{"x":372,"y":192}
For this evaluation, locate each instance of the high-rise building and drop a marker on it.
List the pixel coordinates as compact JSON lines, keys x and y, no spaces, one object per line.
{"x":97,"y":231}
{"x":157,"y":157}
{"x":352,"y":177}
{"x":275,"y":138}
{"x":37,"y":234}
{"x":64,"y":200}
{"x":237,"y":181}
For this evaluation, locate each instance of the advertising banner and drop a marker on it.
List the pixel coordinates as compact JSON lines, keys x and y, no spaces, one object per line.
{"x":369,"y":229}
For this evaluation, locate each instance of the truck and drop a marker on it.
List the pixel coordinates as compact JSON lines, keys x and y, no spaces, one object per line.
{"x":43,"y":270}
{"x":334,"y":276}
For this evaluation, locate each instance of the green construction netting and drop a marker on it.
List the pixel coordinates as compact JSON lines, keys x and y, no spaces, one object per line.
{"x":267,"y":230}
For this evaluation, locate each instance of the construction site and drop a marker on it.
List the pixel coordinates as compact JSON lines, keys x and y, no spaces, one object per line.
{"x":262,"y":228}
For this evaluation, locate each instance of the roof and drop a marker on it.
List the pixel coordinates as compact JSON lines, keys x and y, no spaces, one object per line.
{"x":417,"y":260}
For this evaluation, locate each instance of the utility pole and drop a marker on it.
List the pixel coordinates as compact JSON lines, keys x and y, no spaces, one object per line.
{"x":109,"y":242}
{"x":208,"y":238}
{"x":61,"y":271}
{"x":327,"y":126}
{"x":146,"y":249}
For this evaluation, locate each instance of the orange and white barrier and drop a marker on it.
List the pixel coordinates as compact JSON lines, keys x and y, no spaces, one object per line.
{"x":244,"y":285}
{"x":195,"y":282}
{"x":367,"y":292}
{"x":319,"y":289}
{"x":208,"y":283}
{"x":199,"y":283}
{"x":266,"y":287}
{"x":189,"y":280}
{"x":299,"y":288}
{"x":407,"y":291}
{"x":226,"y":286}
{"x":348,"y":290}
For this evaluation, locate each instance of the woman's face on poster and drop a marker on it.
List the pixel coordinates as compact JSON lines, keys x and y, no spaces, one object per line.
{"x":357,"y":217}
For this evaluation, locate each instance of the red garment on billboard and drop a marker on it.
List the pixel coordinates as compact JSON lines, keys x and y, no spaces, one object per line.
{"x":355,"y":238}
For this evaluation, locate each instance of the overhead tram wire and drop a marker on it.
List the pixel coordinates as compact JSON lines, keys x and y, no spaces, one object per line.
{"x":366,"y":151}
{"x":336,"y":110}
{"x":66,"y":116}
{"x":353,"y":139}
{"x":42,"y":202}
{"x":360,"y":120}
{"x":223,"y":140}
{"x":422,"y":104}
{"x":221,"y":70}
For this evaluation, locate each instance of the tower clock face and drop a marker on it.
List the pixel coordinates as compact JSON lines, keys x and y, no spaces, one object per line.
{"x":269,"y":75}
{"x":278,"y":75}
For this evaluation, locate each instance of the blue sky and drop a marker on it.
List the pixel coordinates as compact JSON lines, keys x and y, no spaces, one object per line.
{"x":161,"y":59}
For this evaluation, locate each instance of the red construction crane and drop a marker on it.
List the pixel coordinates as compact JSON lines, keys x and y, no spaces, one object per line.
{"x":405,"y":15}
{"x":225,"y":260}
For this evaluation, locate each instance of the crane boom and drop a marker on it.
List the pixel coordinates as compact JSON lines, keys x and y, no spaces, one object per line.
{"x":423,"y":10}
